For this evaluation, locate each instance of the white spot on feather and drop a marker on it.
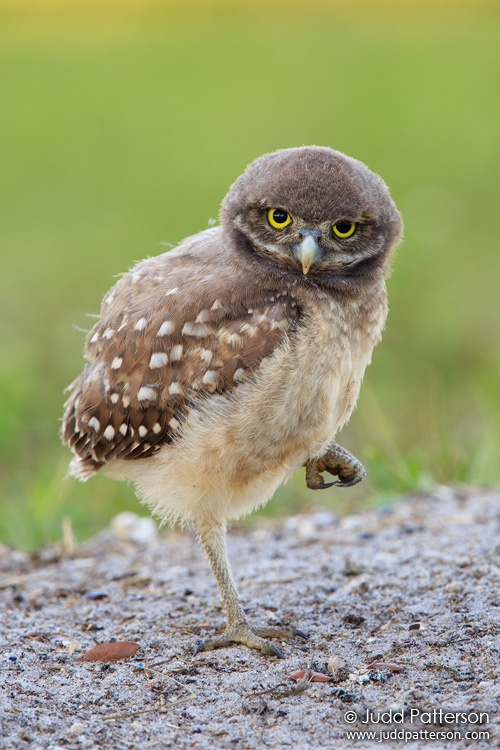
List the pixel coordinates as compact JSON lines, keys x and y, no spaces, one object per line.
{"x":166,"y":327}
{"x":176,"y":353}
{"x":94,"y":338}
{"x":174,"y":423}
{"x":116,"y":363}
{"x":233,"y":339}
{"x":206,"y":355}
{"x":175,"y":389}
{"x":123,"y":429}
{"x":141,"y":324}
{"x":142,"y":431}
{"x":108,"y":333}
{"x":109,"y":432}
{"x":126,"y":402}
{"x":114,"y":398}
{"x":217,"y":304}
{"x":203,"y":316}
{"x":239,"y":375}
{"x":210,"y":377}
{"x":172,"y":291}
{"x":146,"y":393}
{"x":196,"y":329}
{"x":158,"y":359}
{"x":95,"y":424}
{"x":248,"y":329}
{"x":157,"y":428}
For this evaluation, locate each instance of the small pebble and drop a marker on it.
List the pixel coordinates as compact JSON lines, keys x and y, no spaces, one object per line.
{"x":337,"y":666}
{"x":76,"y":728}
{"x":129,"y":527}
{"x":417,"y":626}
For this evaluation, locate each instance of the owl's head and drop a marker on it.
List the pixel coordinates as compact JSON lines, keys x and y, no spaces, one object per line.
{"x":314,"y":212}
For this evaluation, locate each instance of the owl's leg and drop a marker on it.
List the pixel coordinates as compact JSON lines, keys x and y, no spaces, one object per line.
{"x":338,"y":462}
{"x":213,"y":539}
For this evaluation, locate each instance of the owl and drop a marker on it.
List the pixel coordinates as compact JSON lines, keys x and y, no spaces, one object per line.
{"x":219,"y":367}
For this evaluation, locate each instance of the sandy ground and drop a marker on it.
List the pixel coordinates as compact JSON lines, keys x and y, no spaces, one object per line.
{"x":414,"y":587}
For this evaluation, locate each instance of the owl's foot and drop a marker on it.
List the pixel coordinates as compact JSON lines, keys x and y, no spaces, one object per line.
{"x":253,"y":637}
{"x":338,"y":462}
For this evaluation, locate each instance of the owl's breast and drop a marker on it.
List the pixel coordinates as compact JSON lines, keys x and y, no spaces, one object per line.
{"x":330,"y":355}
{"x":306,"y":390}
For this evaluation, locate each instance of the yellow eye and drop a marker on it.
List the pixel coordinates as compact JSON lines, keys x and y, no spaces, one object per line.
{"x":344,"y":229}
{"x":278,"y":218}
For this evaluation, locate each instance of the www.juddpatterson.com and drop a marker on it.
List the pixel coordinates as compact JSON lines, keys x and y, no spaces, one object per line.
{"x":407,"y":735}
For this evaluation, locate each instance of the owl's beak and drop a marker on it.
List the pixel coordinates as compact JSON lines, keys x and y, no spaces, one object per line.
{"x":307,"y":252}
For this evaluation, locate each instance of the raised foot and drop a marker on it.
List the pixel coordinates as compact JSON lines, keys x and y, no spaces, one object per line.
{"x":338,"y":462}
{"x":253,"y":637}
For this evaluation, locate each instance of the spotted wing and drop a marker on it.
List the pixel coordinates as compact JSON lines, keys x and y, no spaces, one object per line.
{"x":167,"y":336}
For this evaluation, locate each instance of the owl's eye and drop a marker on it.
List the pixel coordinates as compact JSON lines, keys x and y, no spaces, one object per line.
{"x":278,"y":218}
{"x":344,"y":229}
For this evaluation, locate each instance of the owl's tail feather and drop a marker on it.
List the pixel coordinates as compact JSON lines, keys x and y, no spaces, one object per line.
{"x":83,"y":468}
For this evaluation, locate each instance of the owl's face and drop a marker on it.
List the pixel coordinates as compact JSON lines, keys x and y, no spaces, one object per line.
{"x":313,"y":211}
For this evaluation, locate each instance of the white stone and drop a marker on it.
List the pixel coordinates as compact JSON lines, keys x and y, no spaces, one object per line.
{"x":129,"y":527}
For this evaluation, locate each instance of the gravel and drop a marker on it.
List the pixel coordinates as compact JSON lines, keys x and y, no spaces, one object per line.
{"x":410,"y":591}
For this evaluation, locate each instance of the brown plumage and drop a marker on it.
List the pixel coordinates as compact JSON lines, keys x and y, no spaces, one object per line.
{"x":219,"y":367}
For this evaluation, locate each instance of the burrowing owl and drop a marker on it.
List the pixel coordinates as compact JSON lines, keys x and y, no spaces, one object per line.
{"x":218,"y":368}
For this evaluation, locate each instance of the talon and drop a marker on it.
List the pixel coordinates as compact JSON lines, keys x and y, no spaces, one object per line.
{"x":276,"y":650}
{"x":198,"y":647}
{"x":351,"y":483}
{"x":300,"y":634}
{"x":252,"y":637}
{"x":323,"y":485}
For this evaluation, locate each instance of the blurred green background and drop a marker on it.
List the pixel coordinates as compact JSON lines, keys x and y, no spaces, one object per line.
{"x":122,"y":126}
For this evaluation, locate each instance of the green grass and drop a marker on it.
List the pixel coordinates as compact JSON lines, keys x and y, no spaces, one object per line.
{"x":123,"y":130}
